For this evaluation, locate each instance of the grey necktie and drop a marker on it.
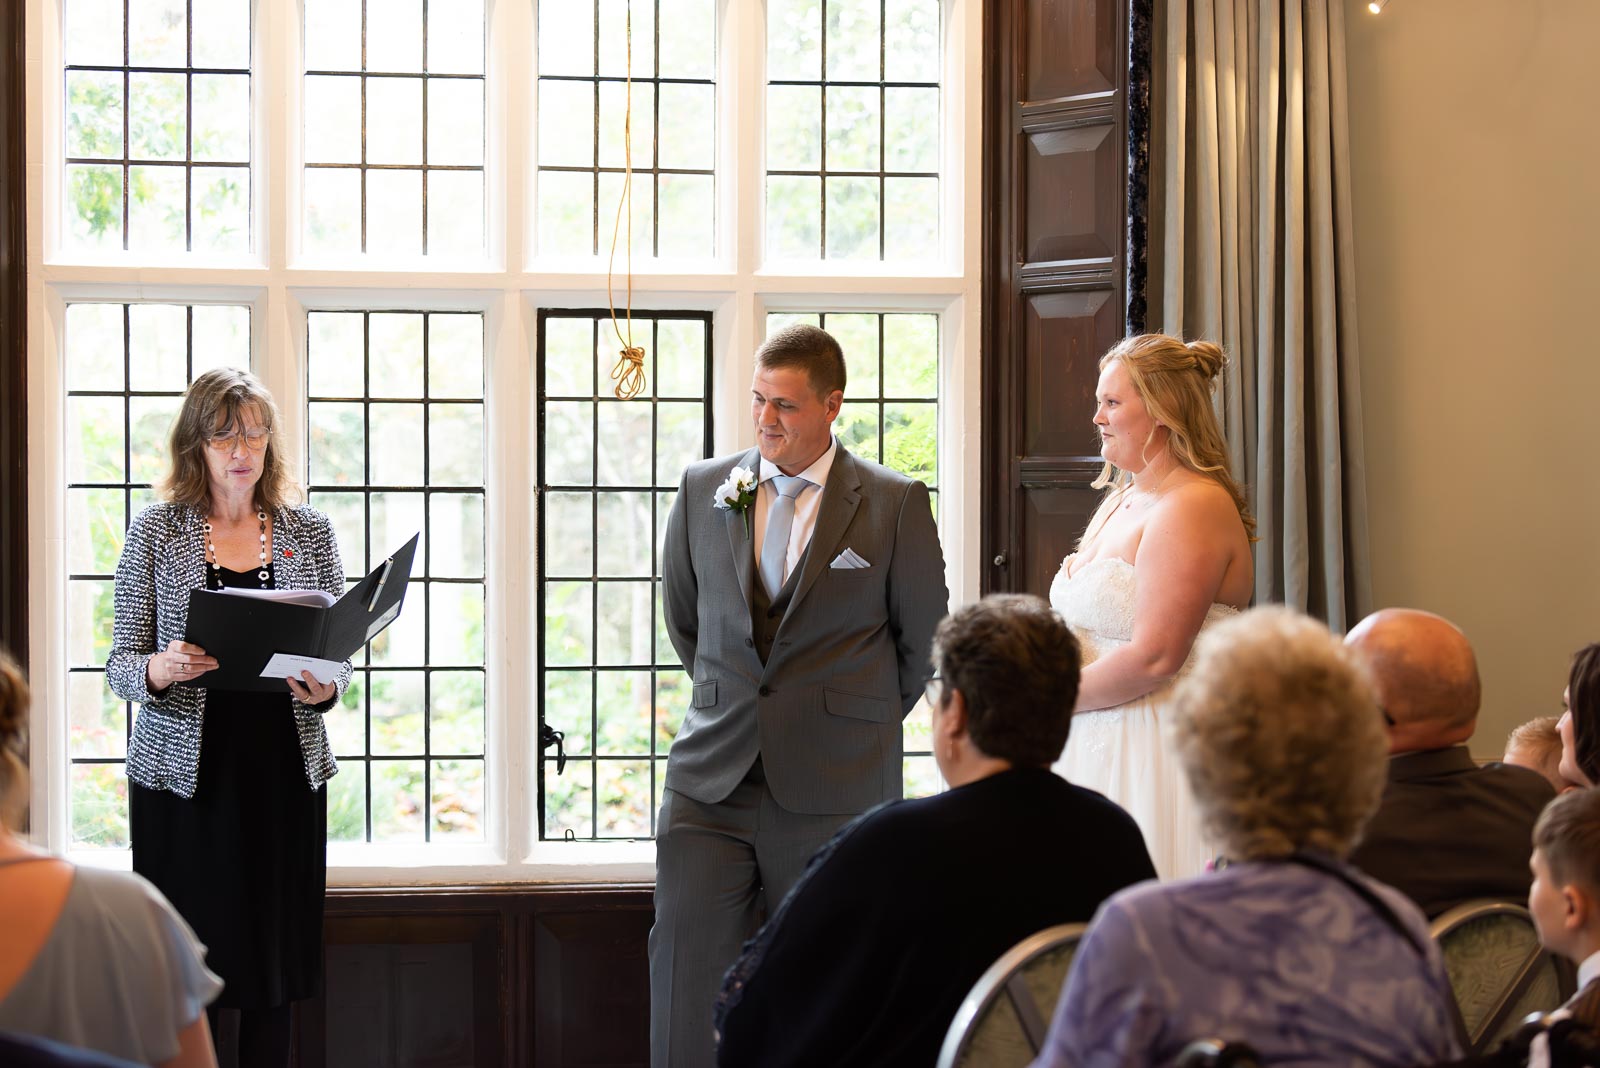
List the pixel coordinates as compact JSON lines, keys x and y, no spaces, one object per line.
{"x":780,"y":520}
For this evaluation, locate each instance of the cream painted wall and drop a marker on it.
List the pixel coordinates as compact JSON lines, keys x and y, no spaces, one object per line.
{"x":1475,"y":138}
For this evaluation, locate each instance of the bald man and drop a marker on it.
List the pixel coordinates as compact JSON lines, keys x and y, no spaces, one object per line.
{"x":1448,"y":830}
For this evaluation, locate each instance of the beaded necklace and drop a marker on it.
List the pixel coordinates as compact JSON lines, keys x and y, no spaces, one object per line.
{"x":214,"y":576}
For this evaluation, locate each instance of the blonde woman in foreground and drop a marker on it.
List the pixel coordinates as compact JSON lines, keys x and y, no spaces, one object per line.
{"x":90,"y":958}
{"x":1165,"y":555}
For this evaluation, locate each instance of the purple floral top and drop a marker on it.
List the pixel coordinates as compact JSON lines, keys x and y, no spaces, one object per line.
{"x":1286,"y":958}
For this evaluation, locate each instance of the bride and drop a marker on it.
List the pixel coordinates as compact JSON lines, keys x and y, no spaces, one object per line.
{"x":1166,"y":554}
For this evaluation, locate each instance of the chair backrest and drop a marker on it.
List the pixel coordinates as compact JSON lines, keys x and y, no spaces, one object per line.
{"x":1003,"y":1020}
{"x":1498,"y":971}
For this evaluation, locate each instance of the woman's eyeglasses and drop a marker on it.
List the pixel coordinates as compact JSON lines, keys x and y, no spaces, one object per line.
{"x":255,"y":439}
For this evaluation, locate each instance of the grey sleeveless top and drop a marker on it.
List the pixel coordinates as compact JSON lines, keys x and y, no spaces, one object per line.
{"x":120,"y":972}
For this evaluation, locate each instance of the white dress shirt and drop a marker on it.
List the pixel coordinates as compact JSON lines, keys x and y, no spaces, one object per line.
{"x":805,"y":506}
{"x":1539,"y":1049}
{"x":1589,"y":970}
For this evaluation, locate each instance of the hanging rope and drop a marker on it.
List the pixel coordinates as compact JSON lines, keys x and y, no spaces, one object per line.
{"x":628,"y":374}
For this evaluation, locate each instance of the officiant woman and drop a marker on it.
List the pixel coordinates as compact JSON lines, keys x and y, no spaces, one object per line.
{"x":228,"y":807}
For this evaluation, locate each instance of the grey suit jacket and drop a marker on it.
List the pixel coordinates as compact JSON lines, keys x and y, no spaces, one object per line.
{"x":851,"y":653}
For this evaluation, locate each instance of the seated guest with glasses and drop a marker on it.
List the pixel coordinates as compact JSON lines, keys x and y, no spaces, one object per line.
{"x":92,"y":959}
{"x":228,"y":814}
{"x":1287,"y":948}
{"x":868,"y":958}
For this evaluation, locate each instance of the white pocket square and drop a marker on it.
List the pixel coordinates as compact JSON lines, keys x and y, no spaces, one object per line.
{"x":849,"y":560}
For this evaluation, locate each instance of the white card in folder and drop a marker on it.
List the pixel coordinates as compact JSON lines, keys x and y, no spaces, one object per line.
{"x":383,"y":621}
{"x":314,"y":598}
{"x":289,"y":666}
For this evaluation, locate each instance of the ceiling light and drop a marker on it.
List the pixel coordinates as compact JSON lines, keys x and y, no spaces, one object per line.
{"x":1376,"y":6}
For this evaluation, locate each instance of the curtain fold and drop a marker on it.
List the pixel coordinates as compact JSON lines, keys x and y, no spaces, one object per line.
{"x":1253,"y":249}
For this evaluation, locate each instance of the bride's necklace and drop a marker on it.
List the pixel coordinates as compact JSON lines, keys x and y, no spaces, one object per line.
{"x":1123,"y":500}
{"x":1136,"y":494}
{"x":215,"y":574}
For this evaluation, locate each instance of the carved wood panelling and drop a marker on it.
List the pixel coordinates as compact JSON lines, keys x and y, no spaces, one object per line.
{"x":483,"y":977}
{"x":1056,"y":258}
{"x":1064,"y":335}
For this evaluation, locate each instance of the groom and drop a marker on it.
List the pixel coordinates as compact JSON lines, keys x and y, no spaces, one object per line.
{"x":805,"y":618}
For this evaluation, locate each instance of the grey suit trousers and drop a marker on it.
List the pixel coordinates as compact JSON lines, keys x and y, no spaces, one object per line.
{"x":722,"y":869}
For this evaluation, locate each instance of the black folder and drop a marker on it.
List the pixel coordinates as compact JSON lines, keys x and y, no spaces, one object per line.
{"x":243,"y":633}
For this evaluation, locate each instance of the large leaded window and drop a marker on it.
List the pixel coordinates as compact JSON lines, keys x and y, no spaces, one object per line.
{"x":400,"y":215}
{"x":853,"y":129}
{"x":126,"y":368}
{"x":584,"y":62}
{"x":608,"y":474}
{"x":396,"y":421}
{"x":394,"y":119}
{"x":157,"y":130}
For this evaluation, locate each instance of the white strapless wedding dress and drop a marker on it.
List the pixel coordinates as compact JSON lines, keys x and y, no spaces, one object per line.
{"x":1123,"y":752}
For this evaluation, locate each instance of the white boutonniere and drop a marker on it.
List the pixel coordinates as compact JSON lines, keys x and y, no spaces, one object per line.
{"x":737,"y":493}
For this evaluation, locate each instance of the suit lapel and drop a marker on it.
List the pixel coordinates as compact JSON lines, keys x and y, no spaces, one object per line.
{"x":740,"y":543}
{"x":840,"y":498}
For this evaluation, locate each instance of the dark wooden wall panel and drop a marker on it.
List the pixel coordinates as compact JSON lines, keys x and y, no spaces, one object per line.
{"x":482,"y":977}
{"x":1052,"y":519}
{"x":1072,"y":50}
{"x":1064,"y":335}
{"x":585,"y":1015}
{"x":1056,"y":263}
{"x":1070,"y":213}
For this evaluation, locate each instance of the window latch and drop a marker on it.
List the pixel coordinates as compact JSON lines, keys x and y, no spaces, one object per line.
{"x":549,"y":736}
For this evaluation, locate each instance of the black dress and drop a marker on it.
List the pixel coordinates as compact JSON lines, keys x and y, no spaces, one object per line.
{"x":244,"y":861}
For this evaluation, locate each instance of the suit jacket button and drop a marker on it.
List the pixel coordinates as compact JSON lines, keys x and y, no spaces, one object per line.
{"x":763,"y":691}
{"x":750,"y":641}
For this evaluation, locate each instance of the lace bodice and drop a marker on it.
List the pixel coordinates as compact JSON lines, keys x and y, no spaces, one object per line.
{"x":1097,"y":603}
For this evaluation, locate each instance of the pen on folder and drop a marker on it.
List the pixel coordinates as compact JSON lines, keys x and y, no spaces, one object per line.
{"x":377,"y":591}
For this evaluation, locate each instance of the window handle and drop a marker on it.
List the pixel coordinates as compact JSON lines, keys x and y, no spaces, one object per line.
{"x":549,"y":736}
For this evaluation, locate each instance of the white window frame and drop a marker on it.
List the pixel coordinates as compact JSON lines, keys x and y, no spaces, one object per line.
{"x":508,"y":289}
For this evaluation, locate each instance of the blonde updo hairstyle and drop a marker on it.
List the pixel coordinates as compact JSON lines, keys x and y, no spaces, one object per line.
{"x":215,"y":403}
{"x":1175,"y":381}
{"x":1280,"y":736}
{"x":13,"y":732}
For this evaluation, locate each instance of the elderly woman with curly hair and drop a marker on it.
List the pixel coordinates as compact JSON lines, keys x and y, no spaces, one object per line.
{"x":1287,"y":947}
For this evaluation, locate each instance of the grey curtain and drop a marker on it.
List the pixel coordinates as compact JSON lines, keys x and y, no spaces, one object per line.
{"x":1251,"y":246}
